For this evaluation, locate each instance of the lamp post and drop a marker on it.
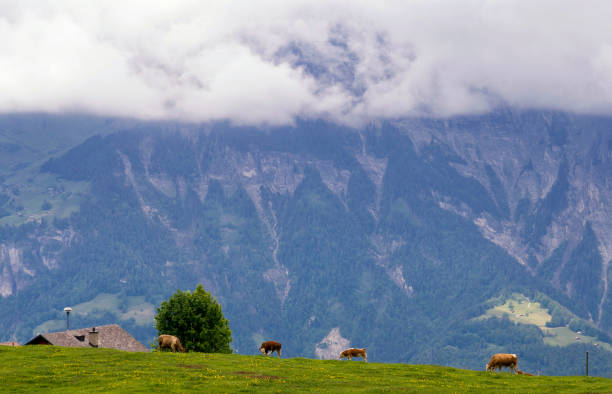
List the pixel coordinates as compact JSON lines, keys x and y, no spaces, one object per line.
{"x":67,"y":310}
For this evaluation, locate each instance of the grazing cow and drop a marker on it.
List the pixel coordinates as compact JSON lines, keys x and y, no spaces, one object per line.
{"x":524,"y":373}
{"x":500,"y":360}
{"x":271,"y":347}
{"x":170,"y":342}
{"x":352,"y":352}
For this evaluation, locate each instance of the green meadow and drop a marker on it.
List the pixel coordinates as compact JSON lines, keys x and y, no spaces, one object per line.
{"x":59,"y":369}
{"x":520,"y":309}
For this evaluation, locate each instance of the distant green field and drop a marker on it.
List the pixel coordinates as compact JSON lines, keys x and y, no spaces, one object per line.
{"x":134,"y":307}
{"x":521,"y":309}
{"x":57,"y":369}
{"x":563,"y":336}
{"x":63,"y":196}
{"x":26,"y":142}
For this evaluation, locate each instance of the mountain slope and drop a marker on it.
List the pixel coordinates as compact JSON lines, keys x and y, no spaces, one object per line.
{"x":321,"y":236}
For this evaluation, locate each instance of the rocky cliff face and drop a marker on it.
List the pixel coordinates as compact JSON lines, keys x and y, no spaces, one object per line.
{"x":526,"y":161}
{"x":22,"y":260}
{"x":11,"y":261}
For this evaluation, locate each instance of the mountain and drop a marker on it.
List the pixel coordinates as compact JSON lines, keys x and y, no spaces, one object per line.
{"x":424,"y":240}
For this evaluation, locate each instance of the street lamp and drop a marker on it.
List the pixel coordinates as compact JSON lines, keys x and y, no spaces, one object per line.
{"x":67,"y":310}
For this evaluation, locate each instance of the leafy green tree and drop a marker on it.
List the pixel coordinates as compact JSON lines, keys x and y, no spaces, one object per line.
{"x":559,"y":318}
{"x":196,"y":319}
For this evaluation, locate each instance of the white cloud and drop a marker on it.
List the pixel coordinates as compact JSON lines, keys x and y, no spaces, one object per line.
{"x":271,"y":61}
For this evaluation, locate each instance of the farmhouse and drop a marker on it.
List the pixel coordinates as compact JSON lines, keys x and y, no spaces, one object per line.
{"x":110,"y":336}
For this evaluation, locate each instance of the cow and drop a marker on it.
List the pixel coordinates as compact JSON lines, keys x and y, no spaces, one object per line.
{"x":500,"y":360}
{"x":524,"y":373}
{"x":170,"y":342}
{"x":352,"y":352}
{"x":271,"y":347}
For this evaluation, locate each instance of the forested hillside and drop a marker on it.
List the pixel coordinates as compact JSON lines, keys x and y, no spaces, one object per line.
{"x":400,"y":237}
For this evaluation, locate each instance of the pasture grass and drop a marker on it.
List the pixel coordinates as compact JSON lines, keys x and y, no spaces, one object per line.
{"x":59,"y":369}
{"x":519,"y":309}
{"x":34,"y":189}
{"x":563,"y":336}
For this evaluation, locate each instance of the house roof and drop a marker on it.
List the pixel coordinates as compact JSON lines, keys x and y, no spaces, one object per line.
{"x":110,"y":336}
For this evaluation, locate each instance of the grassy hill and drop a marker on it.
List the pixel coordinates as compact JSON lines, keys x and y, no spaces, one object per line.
{"x":520,"y":309}
{"x":26,"y":142}
{"x":50,"y":368}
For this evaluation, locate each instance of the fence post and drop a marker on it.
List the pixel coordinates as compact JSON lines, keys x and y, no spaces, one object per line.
{"x":587,"y":363}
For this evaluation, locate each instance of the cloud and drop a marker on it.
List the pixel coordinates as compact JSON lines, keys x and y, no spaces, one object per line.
{"x":268,"y":62}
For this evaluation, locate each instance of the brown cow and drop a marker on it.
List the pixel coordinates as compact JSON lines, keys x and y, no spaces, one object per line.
{"x":500,"y":360}
{"x":352,"y":352}
{"x":170,"y":342}
{"x":271,"y":347}
{"x":524,"y":373}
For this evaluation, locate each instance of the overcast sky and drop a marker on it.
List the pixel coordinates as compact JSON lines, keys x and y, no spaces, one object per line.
{"x":267,"y":62}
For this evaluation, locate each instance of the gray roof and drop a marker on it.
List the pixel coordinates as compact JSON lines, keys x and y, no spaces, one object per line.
{"x":110,"y":336}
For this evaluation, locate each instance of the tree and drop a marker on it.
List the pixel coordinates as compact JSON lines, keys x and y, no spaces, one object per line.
{"x":196,"y":319}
